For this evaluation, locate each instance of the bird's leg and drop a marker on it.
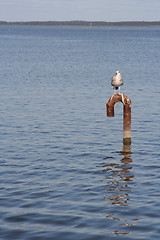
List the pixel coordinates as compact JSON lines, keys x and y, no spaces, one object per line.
{"x":119,"y":92}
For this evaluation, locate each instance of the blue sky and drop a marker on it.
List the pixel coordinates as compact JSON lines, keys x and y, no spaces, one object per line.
{"x":95,"y":10}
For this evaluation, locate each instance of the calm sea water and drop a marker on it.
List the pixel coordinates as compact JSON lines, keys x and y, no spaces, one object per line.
{"x":64,"y":172}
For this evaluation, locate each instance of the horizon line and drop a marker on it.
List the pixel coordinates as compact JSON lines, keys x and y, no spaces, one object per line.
{"x":85,"y":23}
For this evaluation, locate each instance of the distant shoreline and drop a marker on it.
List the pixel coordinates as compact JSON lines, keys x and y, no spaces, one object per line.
{"x":85,"y":23}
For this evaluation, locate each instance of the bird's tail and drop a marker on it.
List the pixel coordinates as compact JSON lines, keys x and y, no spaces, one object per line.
{"x":115,"y":88}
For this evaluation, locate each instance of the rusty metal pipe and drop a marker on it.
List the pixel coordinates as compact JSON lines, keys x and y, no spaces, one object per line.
{"x":126,"y":114}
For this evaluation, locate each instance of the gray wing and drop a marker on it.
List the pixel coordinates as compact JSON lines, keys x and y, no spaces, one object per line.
{"x":121,"y":81}
{"x":113,"y":81}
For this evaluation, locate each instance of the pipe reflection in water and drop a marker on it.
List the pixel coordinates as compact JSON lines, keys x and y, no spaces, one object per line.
{"x":119,"y":181}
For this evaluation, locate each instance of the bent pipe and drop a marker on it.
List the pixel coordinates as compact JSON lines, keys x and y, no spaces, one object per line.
{"x":126,"y":114}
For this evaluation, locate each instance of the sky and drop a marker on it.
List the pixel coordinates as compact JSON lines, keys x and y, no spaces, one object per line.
{"x":89,"y":10}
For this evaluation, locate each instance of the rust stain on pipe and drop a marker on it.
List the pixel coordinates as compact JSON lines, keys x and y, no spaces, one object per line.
{"x":126,"y":114}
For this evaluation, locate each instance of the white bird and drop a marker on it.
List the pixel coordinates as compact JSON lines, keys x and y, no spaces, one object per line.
{"x":117,"y":81}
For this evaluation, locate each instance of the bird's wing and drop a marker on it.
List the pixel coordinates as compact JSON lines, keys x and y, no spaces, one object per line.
{"x":113,"y":80}
{"x":121,"y":81}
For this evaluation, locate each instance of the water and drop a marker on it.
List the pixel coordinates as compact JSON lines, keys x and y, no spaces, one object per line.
{"x":65,"y":173}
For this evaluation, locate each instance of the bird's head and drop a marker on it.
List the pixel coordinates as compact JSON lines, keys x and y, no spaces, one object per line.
{"x":117,"y":71}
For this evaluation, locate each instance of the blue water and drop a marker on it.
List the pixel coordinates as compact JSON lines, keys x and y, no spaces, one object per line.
{"x":64,"y":172}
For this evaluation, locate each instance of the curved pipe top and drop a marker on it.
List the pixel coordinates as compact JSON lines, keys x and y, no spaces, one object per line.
{"x":117,"y":98}
{"x":126,"y":114}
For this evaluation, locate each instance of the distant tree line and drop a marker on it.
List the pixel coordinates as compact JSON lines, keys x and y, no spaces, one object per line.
{"x":86,"y":23}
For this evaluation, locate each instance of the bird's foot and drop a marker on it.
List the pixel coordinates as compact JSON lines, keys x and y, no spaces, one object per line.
{"x":113,"y":95}
{"x":121,"y":94}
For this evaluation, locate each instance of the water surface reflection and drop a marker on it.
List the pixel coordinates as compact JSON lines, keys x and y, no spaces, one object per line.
{"x":119,"y":182}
